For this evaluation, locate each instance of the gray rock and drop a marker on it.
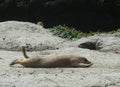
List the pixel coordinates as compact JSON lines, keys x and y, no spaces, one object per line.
{"x":14,"y":35}
{"x":102,"y":42}
{"x":109,"y":43}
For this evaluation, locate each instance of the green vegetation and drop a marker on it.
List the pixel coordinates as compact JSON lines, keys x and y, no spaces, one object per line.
{"x":71,"y":33}
{"x":67,"y":32}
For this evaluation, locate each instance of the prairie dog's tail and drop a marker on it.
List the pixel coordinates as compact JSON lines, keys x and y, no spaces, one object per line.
{"x":24,"y":52}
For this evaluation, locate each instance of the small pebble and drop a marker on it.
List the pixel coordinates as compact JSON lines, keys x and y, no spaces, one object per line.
{"x":0,"y":58}
{"x":56,"y":75}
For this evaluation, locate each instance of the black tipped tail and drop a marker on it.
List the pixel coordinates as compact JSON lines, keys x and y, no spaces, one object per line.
{"x":24,"y":52}
{"x":11,"y":64}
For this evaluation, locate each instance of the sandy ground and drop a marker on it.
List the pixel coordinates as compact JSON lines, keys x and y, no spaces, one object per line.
{"x":19,"y":76}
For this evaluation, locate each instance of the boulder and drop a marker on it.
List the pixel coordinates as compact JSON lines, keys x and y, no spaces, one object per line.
{"x":102,"y":42}
{"x":15,"y":34}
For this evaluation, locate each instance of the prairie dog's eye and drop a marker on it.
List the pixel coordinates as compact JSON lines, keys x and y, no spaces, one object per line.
{"x":86,"y":60}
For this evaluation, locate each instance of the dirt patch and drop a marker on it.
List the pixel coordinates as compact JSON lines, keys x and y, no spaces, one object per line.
{"x":98,"y":75}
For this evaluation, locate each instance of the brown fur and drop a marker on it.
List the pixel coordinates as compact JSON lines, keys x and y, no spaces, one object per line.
{"x":40,"y":23}
{"x":53,"y":61}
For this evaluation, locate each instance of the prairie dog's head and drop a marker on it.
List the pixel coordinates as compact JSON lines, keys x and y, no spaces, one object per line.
{"x":40,"y":23}
{"x":84,"y":60}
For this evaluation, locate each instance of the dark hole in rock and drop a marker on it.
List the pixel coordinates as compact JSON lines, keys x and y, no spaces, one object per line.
{"x":88,"y":45}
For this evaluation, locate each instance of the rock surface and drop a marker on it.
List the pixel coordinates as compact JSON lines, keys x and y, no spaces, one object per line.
{"x":104,"y":72}
{"x":102,"y":42}
{"x":14,"y":35}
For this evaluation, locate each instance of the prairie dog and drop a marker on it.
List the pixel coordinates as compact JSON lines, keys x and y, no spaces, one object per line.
{"x":40,"y":23}
{"x":52,"y":61}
